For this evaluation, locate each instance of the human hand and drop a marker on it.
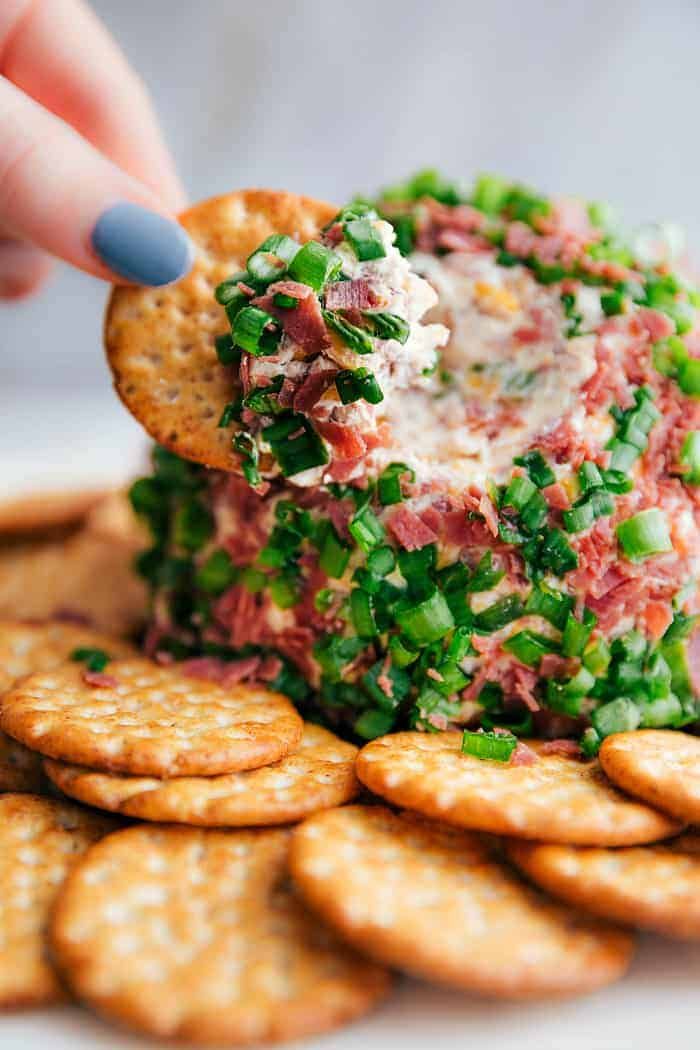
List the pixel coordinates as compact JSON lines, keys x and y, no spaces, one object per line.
{"x":84,"y":172}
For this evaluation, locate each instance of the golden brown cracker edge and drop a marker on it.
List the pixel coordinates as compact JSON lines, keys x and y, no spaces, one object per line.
{"x":160,"y":341}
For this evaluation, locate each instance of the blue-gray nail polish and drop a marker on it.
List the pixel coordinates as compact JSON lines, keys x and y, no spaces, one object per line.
{"x":142,"y":245}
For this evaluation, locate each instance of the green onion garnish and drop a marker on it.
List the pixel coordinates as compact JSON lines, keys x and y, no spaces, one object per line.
{"x":425,"y":621}
{"x":689,"y":377}
{"x":597,"y":503}
{"x":612,"y":303}
{"x":334,"y":555}
{"x":529,"y":647}
{"x":227,"y":353}
{"x":263,"y":399}
{"x":287,"y":302}
{"x":94,"y":659}
{"x":617,"y":716}
{"x":590,"y":742}
{"x":228,"y":291}
{"x":358,"y":384}
{"x":537,"y":467}
{"x":690,"y":457}
{"x":256,"y":331}
{"x":315,"y":265}
{"x":417,"y":566}
{"x":374,"y":723}
{"x":499,"y":613}
{"x":284,"y":591}
{"x":389,"y":483}
{"x":381,"y":561}
{"x":231,"y":414}
{"x":644,"y":534}
{"x":557,"y":554}
{"x":494,"y":747}
{"x":217,"y":574}
{"x":365,"y":239}
{"x":271,"y":259}
{"x":388,"y":326}
{"x":401,"y":654}
{"x":550,"y":604}
{"x":193,"y":525}
{"x":362,"y":613}
{"x":356,"y":338}
{"x":577,"y":633}
{"x":295,"y":444}
{"x":248,"y":450}
{"x":366,"y":529}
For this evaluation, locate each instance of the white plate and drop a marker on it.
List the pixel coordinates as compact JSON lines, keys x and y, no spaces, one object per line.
{"x":50,"y":442}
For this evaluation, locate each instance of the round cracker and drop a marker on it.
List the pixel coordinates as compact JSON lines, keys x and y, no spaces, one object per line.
{"x":86,"y":576}
{"x":661,"y":766}
{"x":160,"y":341}
{"x":196,"y":935}
{"x":653,"y":887}
{"x":40,"y":839}
{"x":28,"y":647}
{"x":149,"y":720}
{"x":40,"y":511}
{"x":557,"y":799}
{"x":320,"y":774}
{"x":435,"y":902}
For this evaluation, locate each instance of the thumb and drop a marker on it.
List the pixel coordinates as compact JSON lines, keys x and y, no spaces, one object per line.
{"x":60,"y":194}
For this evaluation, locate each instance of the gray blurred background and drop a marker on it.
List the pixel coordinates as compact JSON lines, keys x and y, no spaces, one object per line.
{"x":599,"y":98}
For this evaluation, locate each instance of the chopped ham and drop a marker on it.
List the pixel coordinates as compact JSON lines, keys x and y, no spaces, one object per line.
{"x":347,"y":295}
{"x":313,"y":388}
{"x":556,"y":496}
{"x":657,"y":325}
{"x":410,"y":530}
{"x":523,"y":755}
{"x":566,"y":748}
{"x":100,"y":680}
{"x":347,"y":441}
{"x":303,"y":323}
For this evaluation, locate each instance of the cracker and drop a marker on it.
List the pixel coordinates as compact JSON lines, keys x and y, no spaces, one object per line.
{"x":39,"y":511}
{"x":153,"y":721}
{"x":40,"y":839}
{"x":661,"y":766}
{"x":320,"y":774}
{"x":160,"y":341}
{"x":196,"y":935}
{"x":25,"y":648}
{"x":653,"y":887}
{"x":435,"y":902}
{"x":556,"y":799}
{"x":85,"y":575}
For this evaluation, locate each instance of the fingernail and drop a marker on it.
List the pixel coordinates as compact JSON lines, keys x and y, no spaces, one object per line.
{"x":142,"y":245}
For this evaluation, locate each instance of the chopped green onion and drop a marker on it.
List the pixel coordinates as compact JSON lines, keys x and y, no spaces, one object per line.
{"x":660,"y":711}
{"x":612,"y":303}
{"x":94,"y":659}
{"x":401,"y":654}
{"x":323,"y":600}
{"x":617,"y":716}
{"x":364,"y":239}
{"x":497,"y":615}
{"x":534,"y":513}
{"x":689,"y":377}
{"x":217,"y":574}
{"x":253,"y":580}
{"x":400,"y":685}
{"x":381,"y":561}
{"x":577,"y":633}
{"x":227,"y":353}
{"x":490,"y":193}
{"x":644,"y":534}
{"x":256,"y":331}
{"x":193,"y":525}
{"x":334,"y":654}
{"x":425,"y":621}
{"x":550,"y":604}
{"x":295,"y":444}
{"x":537,"y":467}
{"x":362,"y":613}
{"x":485,"y":577}
{"x":623,"y":455}
{"x":529,"y":647}
{"x":389,"y":483}
{"x":417,"y":566}
{"x":590,"y":742}
{"x":388,"y":326}
{"x":589,"y":477}
{"x":284,"y":591}
{"x":270,"y":260}
{"x":374,"y":723}
{"x":617,"y":482}
{"x":494,"y":747}
{"x":597,"y":503}
{"x":247,"y":449}
{"x":358,"y":384}
{"x":231,"y":414}
{"x":405,"y":230}
{"x":366,"y":529}
{"x":263,"y":399}
{"x":519,"y":492}
{"x":690,"y":457}
{"x":315,"y":265}
{"x":228,"y":291}
{"x":286,"y":302}
{"x":557,"y":554}
{"x":355,"y":338}
{"x":334,"y":554}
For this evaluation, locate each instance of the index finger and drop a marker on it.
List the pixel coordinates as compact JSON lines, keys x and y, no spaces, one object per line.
{"x":60,"y":54}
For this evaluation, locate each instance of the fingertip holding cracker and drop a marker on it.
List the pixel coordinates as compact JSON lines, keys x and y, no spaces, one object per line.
{"x":151,"y":720}
{"x":653,"y":887}
{"x":660,"y":766}
{"x":318,"y":775}
{"x":196,"y":935}
{"x":160,"y":341}
{"x":40,"y":839}
{"x":558,"y":798}
{"x":434,"y":902}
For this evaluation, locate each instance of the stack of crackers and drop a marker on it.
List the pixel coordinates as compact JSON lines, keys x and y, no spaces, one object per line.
{"x":190,"y":861}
